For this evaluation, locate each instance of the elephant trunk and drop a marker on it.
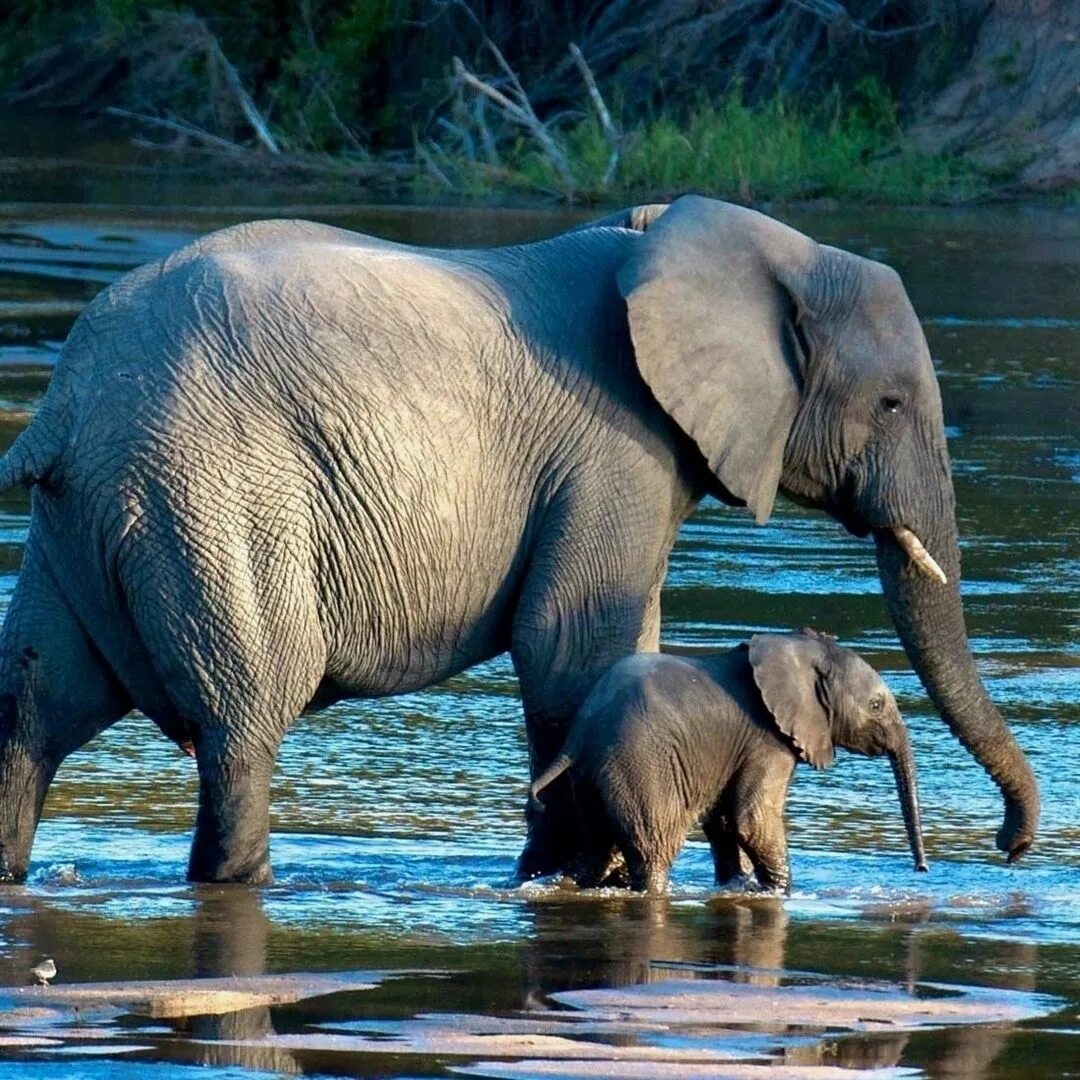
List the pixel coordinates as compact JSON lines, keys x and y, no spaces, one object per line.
{"x":903,"y":766}
{"x":930,"y":622}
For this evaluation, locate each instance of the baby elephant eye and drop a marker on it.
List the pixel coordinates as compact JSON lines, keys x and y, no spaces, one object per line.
{"x":877,"y":704}
{"x":891,"y":404}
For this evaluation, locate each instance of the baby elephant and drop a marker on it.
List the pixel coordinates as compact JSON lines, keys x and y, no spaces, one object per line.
{"x":663,"y":742}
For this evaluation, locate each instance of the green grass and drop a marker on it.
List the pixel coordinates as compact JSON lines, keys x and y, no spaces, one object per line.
{"x":777,"y":151}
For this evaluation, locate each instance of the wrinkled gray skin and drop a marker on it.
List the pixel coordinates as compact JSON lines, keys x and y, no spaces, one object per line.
{"x":665,"y":742}
{"x":290,"y":464}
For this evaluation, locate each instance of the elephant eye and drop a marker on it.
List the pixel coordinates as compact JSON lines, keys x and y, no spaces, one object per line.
{"x":877,"y":704}
{"x":891,"y":404}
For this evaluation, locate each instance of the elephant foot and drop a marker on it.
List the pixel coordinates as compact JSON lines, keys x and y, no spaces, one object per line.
{"x":549,"y":848}
{"x":603,"y":870}
{"x":11,"y":877}
{"x":245,"y":862}
{"x":737,"y":883}
{"x":532,"y":865}
{"x":223,"y":874}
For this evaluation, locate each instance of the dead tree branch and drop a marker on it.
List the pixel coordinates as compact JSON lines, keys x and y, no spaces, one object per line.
{"x":611,"y":132}
{"x":521,"y":114}
{"x":830,"y":12}
{"x":236,"y":87}
{"x":179,"y":127}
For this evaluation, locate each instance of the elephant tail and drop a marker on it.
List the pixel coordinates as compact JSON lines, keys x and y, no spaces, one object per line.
{"x":35,"y":453}
{"x":551,"y":773}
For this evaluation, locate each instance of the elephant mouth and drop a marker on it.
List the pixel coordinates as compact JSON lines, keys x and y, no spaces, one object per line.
{"x":906,"y":539}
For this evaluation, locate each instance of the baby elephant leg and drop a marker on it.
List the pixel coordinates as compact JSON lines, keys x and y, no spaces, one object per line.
{"x":593,"y":866}
{"x":598,"y":856}
{"x":648,"y":873}
{"x":762,"y":834}
{"x":650,"y":848}
{"x":730,"y":861}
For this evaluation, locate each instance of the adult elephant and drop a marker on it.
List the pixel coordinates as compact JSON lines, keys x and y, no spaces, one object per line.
{"x":290,"y":464}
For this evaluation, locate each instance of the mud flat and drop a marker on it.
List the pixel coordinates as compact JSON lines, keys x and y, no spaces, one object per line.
{"x":686,"y":1027}
{"x":169,"y":998}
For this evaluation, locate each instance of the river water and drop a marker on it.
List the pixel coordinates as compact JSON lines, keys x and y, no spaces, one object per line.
{"x":396,"y":821}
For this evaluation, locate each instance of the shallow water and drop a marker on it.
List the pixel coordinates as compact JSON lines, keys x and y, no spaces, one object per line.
{"x":396,"y":821}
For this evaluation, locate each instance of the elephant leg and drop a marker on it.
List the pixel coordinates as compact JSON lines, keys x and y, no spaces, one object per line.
{"x":648,"y":837}
{"x":232,"y":829}
{"x":236,"y":674}
{"x":571,"y":625}
{"x":648,"y":871}
{"x":762,"y":835}
{"x":730,"y":861}
{"x":236,"y":741}
{"x":598,"y":857}
{"x":56,"y":693}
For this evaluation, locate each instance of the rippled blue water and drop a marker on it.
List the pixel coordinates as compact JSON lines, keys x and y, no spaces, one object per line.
{"x":396,"y":821}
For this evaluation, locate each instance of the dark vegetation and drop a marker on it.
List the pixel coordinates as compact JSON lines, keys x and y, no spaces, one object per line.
{"x":886,"y":100}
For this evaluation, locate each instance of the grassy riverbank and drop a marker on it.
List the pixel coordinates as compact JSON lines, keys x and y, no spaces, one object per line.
{"x":850,"y":148}
{"x":584,"y":102}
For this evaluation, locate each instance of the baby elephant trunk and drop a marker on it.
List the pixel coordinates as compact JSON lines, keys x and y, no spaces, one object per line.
{"x":903,"y":766}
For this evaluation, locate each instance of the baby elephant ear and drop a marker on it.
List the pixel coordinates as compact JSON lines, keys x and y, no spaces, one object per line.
{"x":787,"y":671}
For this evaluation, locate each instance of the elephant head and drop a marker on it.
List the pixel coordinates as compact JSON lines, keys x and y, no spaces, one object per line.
{"x":821,"y":696}
{"x":800,"y":368}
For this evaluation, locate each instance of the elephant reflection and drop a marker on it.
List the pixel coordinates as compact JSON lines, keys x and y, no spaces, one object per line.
{"x":628,"y":941}
{"x":230,"y":938}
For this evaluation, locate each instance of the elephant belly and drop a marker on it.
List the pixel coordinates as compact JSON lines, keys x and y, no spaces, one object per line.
{"x":409,"y":620}
{"x":409,"y":664}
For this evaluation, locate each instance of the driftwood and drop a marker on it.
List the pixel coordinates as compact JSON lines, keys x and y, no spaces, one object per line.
{"x":1011,"y":103}
{"x":521,"y":112}
{"x":611,"y":132}
{"x":833,"y":14}
{"x":236,"y":87}
{"x":178,"y":127}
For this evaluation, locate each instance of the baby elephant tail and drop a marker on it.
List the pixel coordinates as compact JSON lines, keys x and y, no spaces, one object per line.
{"x":35,"y":452}
{"x":552,"y":772}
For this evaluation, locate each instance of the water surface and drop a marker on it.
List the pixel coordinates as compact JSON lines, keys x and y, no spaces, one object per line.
{"x":396,"y":821}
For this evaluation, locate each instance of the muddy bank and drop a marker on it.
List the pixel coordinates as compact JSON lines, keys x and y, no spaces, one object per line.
{"x":771,"y":1024}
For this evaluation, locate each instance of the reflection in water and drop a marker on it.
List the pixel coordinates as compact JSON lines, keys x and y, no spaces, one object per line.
{"x":396,"y":820}
{"x":571,"y":941}
{"x":231,"y":932}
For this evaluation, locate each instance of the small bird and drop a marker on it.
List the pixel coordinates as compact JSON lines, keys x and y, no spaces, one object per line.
{"x":45,"y":971}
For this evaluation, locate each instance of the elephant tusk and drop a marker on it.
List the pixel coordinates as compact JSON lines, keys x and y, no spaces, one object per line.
{"x":917,"y":553}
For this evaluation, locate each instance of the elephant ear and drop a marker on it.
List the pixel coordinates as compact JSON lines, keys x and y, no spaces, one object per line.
{"x":713,"y":295}
{"x":787,"y":671}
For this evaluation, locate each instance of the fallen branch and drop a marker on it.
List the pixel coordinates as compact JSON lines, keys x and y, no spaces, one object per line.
{"x":487,"y":140}
{"x":426,"y":157}
{"x":521,"y":114}
{"x":611,"y":132}
{"x":464,"y":138}
{"x":346,"y":132}
{"x":829,"y":11}
{"x":243,"y":98}
{"x":179,"y":127}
